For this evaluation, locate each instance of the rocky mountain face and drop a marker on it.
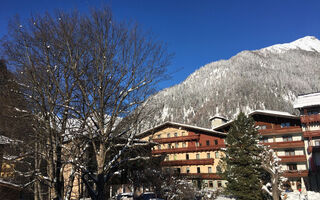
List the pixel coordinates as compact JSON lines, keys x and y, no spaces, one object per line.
{"x":269,"y":78}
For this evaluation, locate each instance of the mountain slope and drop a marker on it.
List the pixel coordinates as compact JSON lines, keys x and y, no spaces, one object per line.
{"x":269,"y":78}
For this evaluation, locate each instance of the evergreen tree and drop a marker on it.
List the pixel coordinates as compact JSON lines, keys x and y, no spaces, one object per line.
{"x":242,"y":160}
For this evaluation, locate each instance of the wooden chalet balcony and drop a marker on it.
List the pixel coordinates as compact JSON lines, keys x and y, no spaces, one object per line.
{"x":315,"y":133}
{"x":189,"y":149}
{"x":293,"y":159}
{"x":208,"y":161}
{"x":177,"y":139}
{"x":286,"y":144}
{"x":201,"y":175}
{"x":310,"y":118}
{"x":295,"y":173}
{"x":281,"y":131}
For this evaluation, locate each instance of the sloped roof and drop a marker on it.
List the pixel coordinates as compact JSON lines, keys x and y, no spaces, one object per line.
{"x":179,"y":125}
{"x":307,"y":100}
{"x":218,"y":116}
{"x":274,"y":113}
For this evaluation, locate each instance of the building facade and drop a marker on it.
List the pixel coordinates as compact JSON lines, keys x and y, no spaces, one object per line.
{"x":282,"y":132}
{"x":191,"y":151}
{"x":309,"y":107}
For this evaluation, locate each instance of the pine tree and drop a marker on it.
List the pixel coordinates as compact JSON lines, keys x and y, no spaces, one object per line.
{"x":242,"y":160}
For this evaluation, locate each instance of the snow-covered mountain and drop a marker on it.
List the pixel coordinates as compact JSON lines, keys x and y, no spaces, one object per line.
{"x":269,"y":78}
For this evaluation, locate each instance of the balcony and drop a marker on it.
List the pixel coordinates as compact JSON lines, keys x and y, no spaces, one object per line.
{"x":201,"y":175}
{"x":287,"y":144}
{"x":177,"y":139}
{"x":295,"y":173}
{"x":189,"y":149}
{"x":209,"y":161}
{"x":281,"y":131}
{"x":293,"y":159}
{"x":310,"y":118}
{"x":311,"y":133}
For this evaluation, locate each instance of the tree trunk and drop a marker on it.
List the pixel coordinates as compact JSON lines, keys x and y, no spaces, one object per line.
{"x":275,"y":189}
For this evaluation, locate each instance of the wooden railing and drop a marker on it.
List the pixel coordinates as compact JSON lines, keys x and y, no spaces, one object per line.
{"x":295,"y":158}
{"x":201,"y":175}
{"x":286,"y":144}
{"x":310,"y":118}
{"x":208,"y":161}
{"x":177,"y":139}
{"x":315,"y":133}
{"x":281,"y":131}
{"x":189,"y":149}
{"x":295,"y":173}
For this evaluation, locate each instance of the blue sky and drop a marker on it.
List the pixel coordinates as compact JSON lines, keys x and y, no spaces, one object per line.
{"x":198,"y":32}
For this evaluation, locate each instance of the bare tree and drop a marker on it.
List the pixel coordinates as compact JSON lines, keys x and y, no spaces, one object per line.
{"x":95,"y":71}
{"x":271,"y":164}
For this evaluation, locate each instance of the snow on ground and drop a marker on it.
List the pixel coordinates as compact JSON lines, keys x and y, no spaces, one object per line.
{"x":290,"y":196}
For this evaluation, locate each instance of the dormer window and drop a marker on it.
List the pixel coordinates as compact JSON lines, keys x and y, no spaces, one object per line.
{"x":175,"y":134}
{"x":168,"y":135}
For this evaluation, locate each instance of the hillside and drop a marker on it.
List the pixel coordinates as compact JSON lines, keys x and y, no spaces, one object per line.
{"x":269,"y":78}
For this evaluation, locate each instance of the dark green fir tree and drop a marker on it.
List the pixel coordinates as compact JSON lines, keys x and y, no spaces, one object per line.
{"x":242,"y":160}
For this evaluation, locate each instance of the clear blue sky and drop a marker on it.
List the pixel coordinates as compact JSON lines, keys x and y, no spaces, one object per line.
{"x":198,"y":32}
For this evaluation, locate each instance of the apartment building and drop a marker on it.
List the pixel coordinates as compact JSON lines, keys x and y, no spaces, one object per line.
{"x":309,"y":107}
{"x":193,"y":152}
{"x":282,"y":132}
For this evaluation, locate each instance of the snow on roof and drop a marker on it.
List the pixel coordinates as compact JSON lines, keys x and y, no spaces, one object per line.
{"x":180,"y":125}
{"x":274,"y":113}
{"x":307,"y":100}
{"x":262,"y":112}
{"x":218,"y":116}
{"x":5,"y":140}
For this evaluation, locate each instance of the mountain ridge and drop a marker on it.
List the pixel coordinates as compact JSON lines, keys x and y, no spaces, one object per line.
{"x":258,"y":79}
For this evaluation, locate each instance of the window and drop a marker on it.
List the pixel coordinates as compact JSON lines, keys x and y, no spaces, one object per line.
{"x":175,"y":157}
{"x":289,"y":152}
{"x":167,"y":157}
{"x":317,"y":143}
{"x":209,"y":170}
{"x":187,"y":156}
{"x":287,"y":138}
{"x":264,"y":140}
{"x":208,"y":143}
{"x":262,"y":127}
{"x":182,"y":133}
{"x":178,"y":170}
{"x":184,"y":144}
{"x":159,"y":136}
{"x":159,"y":147}
{"x":217,"y":154}
{"x":197,"y":144}
{"x":211,"y":184}
{"x":219,"y":184}
{"x":292,"y":166}
{"x":169,"y":146}
{"x":208,"y":155}
{"x":197,"y":156}
{"x":216,"y":142}
{"x":286,"y":124}
{"x":198,"y":170}
{"x":168,"y":135}
{"x":188,"y":170}
{"x":177,"y":145}
{"x":175,"y":134}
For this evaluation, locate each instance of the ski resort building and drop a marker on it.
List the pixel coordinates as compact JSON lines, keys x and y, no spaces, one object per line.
{"x":192,"y":152}
{"x":309,"y":107}
{"x":282,"y":132}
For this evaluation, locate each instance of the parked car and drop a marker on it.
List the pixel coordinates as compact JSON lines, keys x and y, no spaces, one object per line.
{"x":148,"y":196}
{"x":124,"y":196}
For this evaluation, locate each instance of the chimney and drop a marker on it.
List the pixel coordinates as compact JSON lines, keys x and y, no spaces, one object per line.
{"x":217,"y":121}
